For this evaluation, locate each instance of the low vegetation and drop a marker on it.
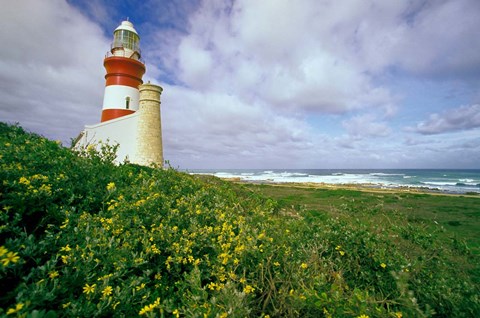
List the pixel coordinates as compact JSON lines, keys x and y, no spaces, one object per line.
{"x":81,"y":237}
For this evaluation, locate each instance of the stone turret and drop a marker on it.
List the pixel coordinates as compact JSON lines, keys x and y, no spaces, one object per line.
{"x":149,"y":150}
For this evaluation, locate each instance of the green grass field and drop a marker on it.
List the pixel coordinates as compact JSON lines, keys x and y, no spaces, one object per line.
{"x":453,"y":216}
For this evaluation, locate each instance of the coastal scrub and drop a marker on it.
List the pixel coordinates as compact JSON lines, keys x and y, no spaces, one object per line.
{"x":81,"y":237}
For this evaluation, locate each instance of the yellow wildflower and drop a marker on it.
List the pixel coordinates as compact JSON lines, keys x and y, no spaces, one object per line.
{"x":111,"y":186}
{"x":17,"y":308}
{"x":3,"y":251}
{"x":276,"y":264}
{"x":147,"y":308}
{"x":66,"y":248}
{"x":342,"y":253}
{"x":53,"y":274}
{"x":107,"y":291}
{"x":383,"y":265}
{"x":398,"y":314}
{"x":24,"y":181}
{"x":304,"y":266}
{"x":64,"y":259}
{"x":248,"y":289}
{"x":176,"y":313}
{"x":11,"y":257}
{"x":363,"y":316}
{"x":46,"y":188}
{"x":87,"y":289}
{"x":64,"y":224}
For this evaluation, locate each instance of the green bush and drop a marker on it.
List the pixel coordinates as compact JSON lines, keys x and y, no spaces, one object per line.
{"x":81,"y":237}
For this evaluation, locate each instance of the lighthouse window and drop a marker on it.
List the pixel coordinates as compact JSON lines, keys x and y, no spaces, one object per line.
{"x":126,"y":39}
{"x":127,"y":102}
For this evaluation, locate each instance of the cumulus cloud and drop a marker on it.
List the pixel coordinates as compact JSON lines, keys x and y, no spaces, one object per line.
{"x":457,"y":119}
{"x":366,"y":126}
{"x":428,"y":38}
{"x":281,"y":57}
{"x":441,"y":39}
{"x":51,"y":77}
{"x":200,"y":127}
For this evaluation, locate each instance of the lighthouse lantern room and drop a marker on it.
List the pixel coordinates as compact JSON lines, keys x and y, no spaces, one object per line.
{"x":124,"y":73}
{"x":126,"y":41}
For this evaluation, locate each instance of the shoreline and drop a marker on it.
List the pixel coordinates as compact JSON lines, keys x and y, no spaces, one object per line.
{"x":443,"y":182}
{"x":364,"y":187}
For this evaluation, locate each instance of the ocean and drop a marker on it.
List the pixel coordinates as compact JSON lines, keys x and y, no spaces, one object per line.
{"x":449,"y":181}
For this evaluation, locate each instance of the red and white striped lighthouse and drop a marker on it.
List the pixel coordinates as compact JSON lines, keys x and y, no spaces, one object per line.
{"x":124,"y":73}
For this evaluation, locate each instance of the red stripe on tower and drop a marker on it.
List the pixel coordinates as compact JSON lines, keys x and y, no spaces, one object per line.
{"x":124,"y":73}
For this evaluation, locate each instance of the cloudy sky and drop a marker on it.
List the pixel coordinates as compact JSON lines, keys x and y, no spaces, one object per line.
{"x":262,"y":84}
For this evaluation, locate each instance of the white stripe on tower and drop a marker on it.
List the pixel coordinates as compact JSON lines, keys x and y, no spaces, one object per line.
{"x":118,"y":95}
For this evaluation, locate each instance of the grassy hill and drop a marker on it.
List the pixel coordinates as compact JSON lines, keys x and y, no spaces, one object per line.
{"x":81,"y":237}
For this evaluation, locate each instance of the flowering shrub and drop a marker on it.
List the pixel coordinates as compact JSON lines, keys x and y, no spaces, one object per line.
{"x":81,"y":237}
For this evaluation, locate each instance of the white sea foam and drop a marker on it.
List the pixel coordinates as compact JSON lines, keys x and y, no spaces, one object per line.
{"x":222,"y":174}
{"x":469,"y":182}
{"x":297,"y":177}
{"x":433,"y":183}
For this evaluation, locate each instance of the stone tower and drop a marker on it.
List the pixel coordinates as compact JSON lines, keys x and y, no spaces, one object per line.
{"x":149,"y":150}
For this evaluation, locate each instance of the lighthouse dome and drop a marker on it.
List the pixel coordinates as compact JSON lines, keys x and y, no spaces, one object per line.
{"x":126,"y":25}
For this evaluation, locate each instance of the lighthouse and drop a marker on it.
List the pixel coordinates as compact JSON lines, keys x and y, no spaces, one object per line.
{"x":130,"y":115}
{"x":124,"y":73}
